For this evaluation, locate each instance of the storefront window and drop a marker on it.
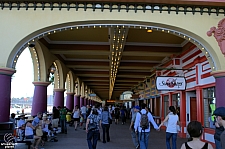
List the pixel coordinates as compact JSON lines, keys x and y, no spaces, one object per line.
{"x":166,"y":105}
{"x":209,"y":106}
{"x":176,"y":102}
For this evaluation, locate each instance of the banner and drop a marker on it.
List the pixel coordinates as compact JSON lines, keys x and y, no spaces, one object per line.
{"x":170,"y":83}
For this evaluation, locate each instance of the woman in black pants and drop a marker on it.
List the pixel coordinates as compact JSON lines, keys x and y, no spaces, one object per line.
{"x":105,"y":123}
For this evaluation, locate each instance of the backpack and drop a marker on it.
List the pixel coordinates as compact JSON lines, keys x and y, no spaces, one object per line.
{"x":93,"y":124}
{"x":144,"y":124}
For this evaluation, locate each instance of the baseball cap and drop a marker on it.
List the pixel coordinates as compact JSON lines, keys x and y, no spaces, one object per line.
{"x":220,"y":111}
{"x":137,"y":107}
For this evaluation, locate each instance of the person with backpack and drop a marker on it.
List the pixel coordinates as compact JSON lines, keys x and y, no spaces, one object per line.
{"x":93,"y":125}
{"x":142,"y":126}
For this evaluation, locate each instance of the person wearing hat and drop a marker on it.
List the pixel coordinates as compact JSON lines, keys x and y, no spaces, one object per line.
{"x":133,"y":134}
{"x":29,"y":132}
{"x":220,"y":118}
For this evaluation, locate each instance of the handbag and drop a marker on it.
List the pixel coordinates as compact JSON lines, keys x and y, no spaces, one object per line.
{"x":109,"y":119}
{"x":39,"y":131}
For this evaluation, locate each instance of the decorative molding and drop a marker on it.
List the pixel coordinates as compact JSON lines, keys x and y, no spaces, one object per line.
{"x":59,"y":90}
{"x":7,"y":71}
{"x":75,"y":42}
{"x":152,"y":44}
{"x":217,"y":74}
{"x":41,"y":83}
{"x":219,"y":34}
{"x":108,"y":43}
{"x":118,"y":6}
{"x":70,"y":93}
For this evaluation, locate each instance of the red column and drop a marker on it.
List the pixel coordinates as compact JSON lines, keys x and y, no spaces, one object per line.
{"x":5,"y":93}
{"x":220,"y":85}
{"x":76,"y":100}
{"x":39,"y":103}
{"x":59,"y":97}
{"x":162,"y":106}
{"x":182,"y":113}
{"x":199,"y":100}
{"x":81,"y":101}
{"x":70,"y":101}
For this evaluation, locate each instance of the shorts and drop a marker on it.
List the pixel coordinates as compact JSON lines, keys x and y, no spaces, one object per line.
{"x":84,"y":115}
{"x":76,"y":119}
{"x":55,"y":123}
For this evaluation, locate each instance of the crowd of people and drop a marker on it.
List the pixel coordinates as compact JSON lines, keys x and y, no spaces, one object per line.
{"x":92,"y":119}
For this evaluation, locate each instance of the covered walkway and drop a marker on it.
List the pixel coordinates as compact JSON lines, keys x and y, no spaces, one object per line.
{"x":120,"y":139}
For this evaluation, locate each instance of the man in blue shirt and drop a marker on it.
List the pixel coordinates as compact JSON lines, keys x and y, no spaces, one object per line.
{"x":143,"y":135}
{"x":37,"y":119}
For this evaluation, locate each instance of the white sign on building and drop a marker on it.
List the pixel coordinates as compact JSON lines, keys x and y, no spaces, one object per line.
{"x":170,"y":83}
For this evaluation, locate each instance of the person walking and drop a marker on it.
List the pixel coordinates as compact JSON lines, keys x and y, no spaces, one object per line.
{"x":93,"y":125}
{"x":123,"y":115}
{"x":218,"y":130}
{"x":134,"y":135}
{"x":105,"y":116}
{"x":63,"y":112}
{"x":195,"y":130}
{"x":171,"y":129}
{"x":117,"y":115}
{"x":144,"y":131}
{"x":76,"y":116}
{"x":83,"y":110}
{"x":220,"y":118}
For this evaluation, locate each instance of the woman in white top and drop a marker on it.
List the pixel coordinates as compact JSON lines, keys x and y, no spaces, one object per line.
{"x":76,"y":116}
{"x":29,"y":132}
{"x":171,"y":130}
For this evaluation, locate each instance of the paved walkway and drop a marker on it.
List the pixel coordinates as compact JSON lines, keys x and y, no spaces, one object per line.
{"x":120,"y":138}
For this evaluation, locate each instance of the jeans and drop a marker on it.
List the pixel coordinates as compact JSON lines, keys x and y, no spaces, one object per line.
{"x":92,"y":135}
{"x":105,"y":128}
{"x":218,"y":145}
{"x":174,"y":140}
{"x":134,"y":136}
{"x":63,"y":125}
{"x":143,"y":139}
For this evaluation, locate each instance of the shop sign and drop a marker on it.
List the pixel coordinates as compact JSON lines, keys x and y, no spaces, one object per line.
{"x":92,"y":95}
{"x":170,"y":83}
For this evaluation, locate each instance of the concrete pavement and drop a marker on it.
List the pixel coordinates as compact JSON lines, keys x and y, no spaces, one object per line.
{"x":120,"y":138}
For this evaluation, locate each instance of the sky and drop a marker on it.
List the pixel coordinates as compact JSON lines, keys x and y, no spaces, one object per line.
{"x":21,"y":85}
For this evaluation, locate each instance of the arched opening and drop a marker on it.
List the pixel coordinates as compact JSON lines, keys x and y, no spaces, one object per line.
{"x":22,"y":88}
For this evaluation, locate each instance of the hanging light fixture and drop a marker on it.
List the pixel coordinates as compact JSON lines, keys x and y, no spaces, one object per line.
{"x":52,"y":69}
